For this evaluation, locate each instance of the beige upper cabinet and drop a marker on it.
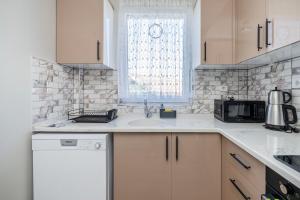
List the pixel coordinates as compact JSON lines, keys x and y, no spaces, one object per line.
{"x":165,"y":166}
{"x":84,"y":32}
{"x":217,"y":31}
{"x":196,"y":166}
{"x":265,"y":25}
{"x":283,"y":23}
{"x":250,"y":28}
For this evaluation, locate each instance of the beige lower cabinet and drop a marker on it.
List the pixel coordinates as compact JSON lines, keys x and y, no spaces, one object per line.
{"x":243,"y":177}
{"x":196,"y":166}
{"x":142,"y":166}
{"x":162,"y":166}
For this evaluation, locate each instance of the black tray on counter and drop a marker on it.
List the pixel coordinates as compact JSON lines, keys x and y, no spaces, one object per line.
{"x":92,"y":119}
{"x":81,"y":116}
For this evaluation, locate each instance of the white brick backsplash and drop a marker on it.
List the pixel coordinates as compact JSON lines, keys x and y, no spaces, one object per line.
{"x":57,"y":89}
{"x":296,"y":63}
{"x":296,"y":81}
{"x":53,"y":90}
{"x":296,"y":100}
{"x":296,"y":93}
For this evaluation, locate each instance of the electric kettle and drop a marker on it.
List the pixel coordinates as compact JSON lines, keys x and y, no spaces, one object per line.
{"x":279,"y":115}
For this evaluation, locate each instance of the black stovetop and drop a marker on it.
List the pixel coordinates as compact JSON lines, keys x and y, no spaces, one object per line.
{"x":292,"y":161}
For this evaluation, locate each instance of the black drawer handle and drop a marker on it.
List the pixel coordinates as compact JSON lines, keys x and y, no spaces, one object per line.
{"x":239,"y":189}
{"x":167,"y":148}
{"x":98,"y":50}
{"x":205,"y":53}
{"x":259,"y":27}
{"x":177,"y":148}
{"x":239,"y":161}
{"x":268,"y":43}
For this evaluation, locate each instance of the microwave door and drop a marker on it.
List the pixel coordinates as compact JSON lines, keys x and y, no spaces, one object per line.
{"x":240,"y":111}
{"x":233,"y":110}
{"x":244,"y":111}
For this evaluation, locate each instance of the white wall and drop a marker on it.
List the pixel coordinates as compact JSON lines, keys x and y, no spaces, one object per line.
{"x":27,"y":28}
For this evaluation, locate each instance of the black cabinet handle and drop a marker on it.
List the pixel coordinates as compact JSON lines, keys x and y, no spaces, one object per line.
{"x":267,"y":33}
{"x":239,"y":161}
{"x":239,"y":189}
{"x":98,"y":50}
{"x":205,"y":53}
{"x":167,"y":148}
{"x":259,"y":27}
{"x":177,"y":148}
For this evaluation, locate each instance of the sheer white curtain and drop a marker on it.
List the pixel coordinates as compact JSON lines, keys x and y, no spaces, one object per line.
{"x":154,"y":50}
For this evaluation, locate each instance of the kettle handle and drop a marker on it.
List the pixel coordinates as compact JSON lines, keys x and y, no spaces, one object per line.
{"x":286,"y":114}
{"x":289,"y":97}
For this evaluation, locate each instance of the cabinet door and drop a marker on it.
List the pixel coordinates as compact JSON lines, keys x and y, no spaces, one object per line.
{"x":79,"y":31}
{"x":251,"y":17}
{"x":142,"y":166}
{"x":108,"y":32}
{"x":196,"y":166}
{"x":217,"y":31}
{"x":285,"y":19}
{"x":242,"y":174}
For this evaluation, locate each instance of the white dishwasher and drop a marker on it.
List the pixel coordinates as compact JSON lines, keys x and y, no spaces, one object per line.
{"x":72,"y":166}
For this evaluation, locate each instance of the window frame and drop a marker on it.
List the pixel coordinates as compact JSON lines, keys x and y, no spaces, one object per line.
{"x":124,"y":96}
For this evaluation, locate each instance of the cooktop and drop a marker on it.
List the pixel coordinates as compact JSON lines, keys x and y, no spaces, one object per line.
{"x":292,"y":161}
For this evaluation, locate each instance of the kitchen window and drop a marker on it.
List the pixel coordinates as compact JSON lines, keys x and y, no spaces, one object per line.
{"x":155,"y":57}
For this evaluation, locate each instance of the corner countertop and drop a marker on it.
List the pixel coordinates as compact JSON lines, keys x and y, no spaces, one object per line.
{"x":253,"y":138}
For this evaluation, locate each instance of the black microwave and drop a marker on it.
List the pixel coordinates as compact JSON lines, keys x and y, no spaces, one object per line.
{"x":240,"y":111}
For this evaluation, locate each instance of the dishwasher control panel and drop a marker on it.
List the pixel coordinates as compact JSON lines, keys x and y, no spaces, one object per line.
{"x":69,"y":144}
{"x":92,"y":145}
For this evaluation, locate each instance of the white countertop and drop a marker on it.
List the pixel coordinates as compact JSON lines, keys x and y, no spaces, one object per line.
{"x":253,"y":138}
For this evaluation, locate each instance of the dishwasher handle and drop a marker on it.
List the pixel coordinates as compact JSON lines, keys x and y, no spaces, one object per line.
{"x":68,"y":142}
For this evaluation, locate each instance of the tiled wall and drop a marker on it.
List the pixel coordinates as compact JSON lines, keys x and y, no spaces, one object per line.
{"x":263,"y":79}
{"x":101,"y":90}
{"x":53,"y":90}
{"x":57,"y":89}
{"x":296,"y":85}
{"x":213,"y":84}
{"x":284,"y":75}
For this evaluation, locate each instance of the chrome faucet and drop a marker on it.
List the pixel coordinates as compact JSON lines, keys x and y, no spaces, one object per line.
{"x":147,"y":109}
